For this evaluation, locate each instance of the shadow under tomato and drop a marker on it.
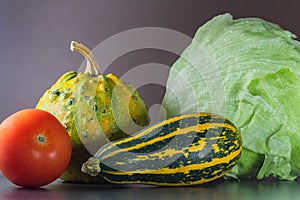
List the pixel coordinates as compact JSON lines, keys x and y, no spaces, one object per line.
{"x":27,"y":194}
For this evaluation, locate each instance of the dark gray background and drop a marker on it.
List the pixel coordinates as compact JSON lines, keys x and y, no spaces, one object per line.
{"x":35,"y":37}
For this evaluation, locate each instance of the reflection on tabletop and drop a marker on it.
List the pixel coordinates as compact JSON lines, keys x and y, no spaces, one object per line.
{"x":245,"y":189}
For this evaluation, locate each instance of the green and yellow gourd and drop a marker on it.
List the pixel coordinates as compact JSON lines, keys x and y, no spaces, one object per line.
{"x":184,"y":150}
{"x":95,"y":109}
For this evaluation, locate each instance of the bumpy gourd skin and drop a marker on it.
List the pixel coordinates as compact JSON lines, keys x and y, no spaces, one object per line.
{"x":95,"y":109}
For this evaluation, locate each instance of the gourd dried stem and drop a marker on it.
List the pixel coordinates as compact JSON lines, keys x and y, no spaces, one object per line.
{"x":91,"y":166}
{"x":92,"y":66}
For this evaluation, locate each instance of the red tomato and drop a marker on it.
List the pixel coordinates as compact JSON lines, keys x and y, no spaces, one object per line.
{"x":35,"y":148}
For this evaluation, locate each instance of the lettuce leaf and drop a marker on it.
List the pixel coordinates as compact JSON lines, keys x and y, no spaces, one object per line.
{"x":247,"y":70}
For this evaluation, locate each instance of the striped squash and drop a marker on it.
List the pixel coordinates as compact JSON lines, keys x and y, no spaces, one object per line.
{"x":185,"y":150}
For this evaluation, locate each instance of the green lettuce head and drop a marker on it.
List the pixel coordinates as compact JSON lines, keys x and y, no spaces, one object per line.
{"x":249,"y":71}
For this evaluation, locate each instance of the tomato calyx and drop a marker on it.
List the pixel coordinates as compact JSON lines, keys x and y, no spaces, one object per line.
{"x":41,"y":138}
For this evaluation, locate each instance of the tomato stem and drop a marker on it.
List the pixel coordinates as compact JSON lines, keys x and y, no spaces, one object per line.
{"x":92,"y":66}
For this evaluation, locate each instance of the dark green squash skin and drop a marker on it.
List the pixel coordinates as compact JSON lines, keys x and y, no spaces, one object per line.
{"x":83,"y":104}
{"x":184,"y":150}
